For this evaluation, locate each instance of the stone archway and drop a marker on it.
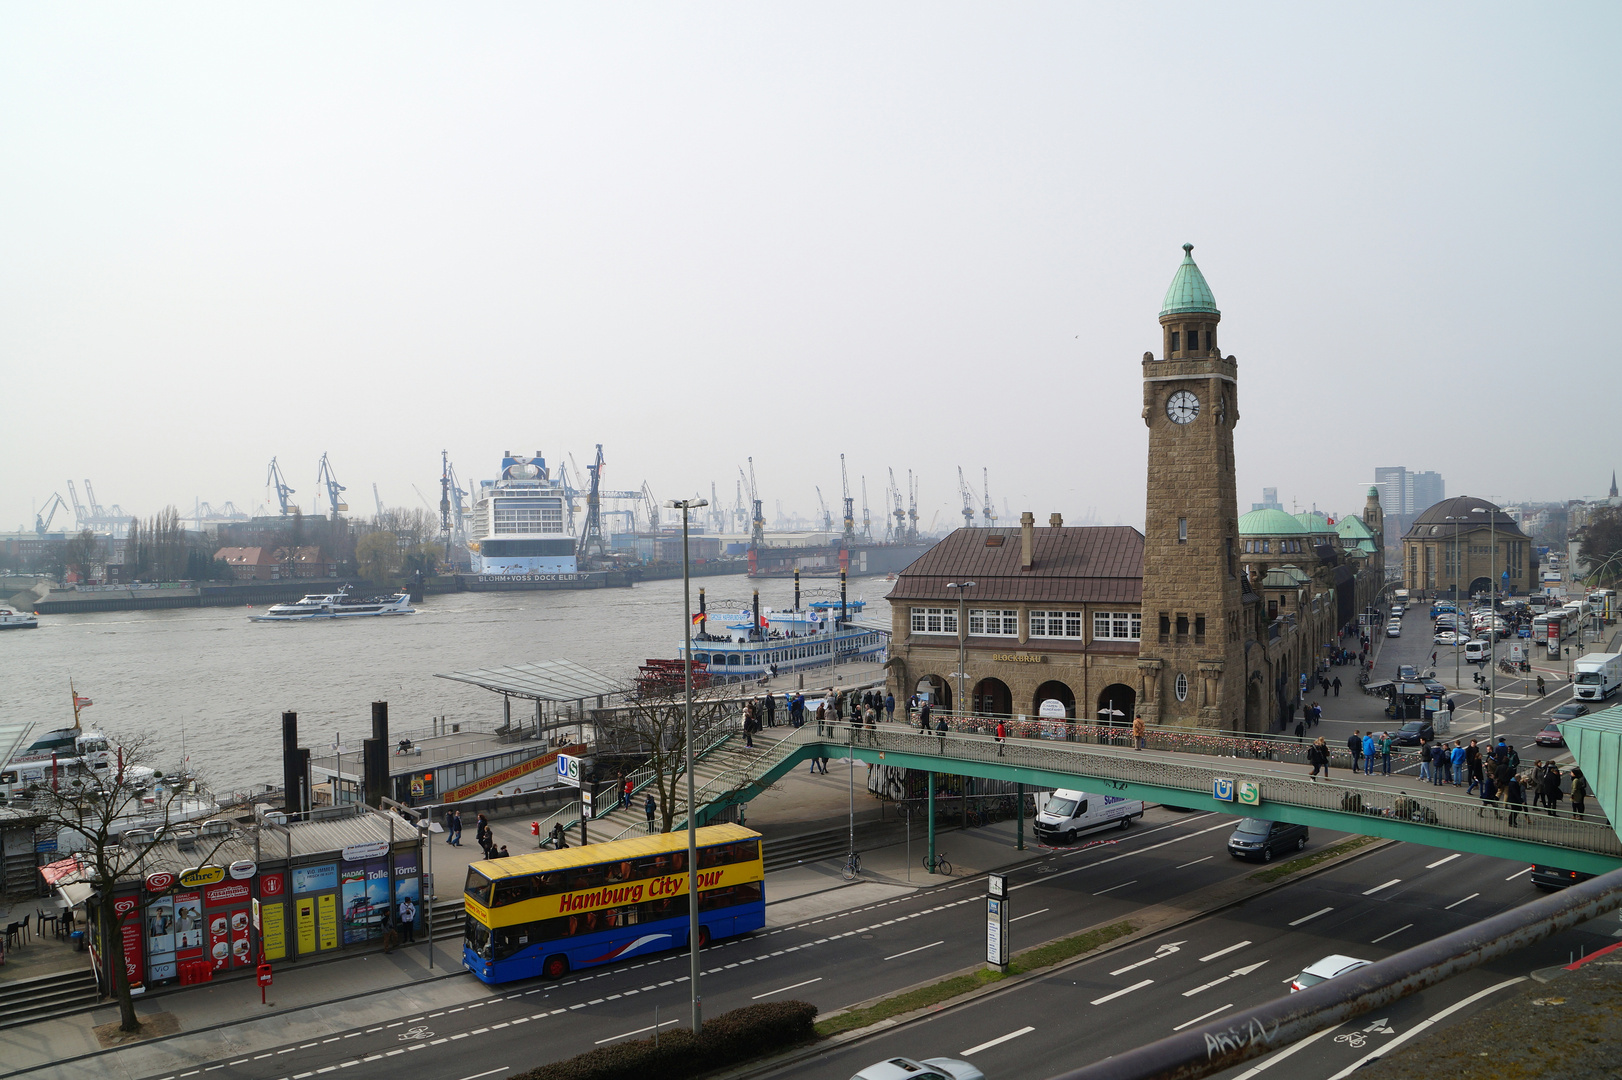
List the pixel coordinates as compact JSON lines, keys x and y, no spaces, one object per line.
{"x":1117,"y":704}
{"x":991,"y":697}
{"x":1053,"y":690}
{"x":938,"y":689}
{"x":1481,"y":586}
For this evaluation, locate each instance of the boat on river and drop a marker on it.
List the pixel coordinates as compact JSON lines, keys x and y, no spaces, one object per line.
{"x":18,"y":620}
{"x":339,"y":605}
{"x":757,"y":642}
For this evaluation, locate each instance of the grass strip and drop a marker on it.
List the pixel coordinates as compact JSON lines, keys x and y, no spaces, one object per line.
{"x":936,"y":993}
{"x":1273,"y":873}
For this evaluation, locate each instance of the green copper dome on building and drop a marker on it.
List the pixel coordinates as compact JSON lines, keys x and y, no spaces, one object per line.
{"x":1270,"y":523}
{"x":1188,"y":292}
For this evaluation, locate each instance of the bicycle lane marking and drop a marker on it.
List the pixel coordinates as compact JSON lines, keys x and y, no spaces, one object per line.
{"x":1422,"y":1025}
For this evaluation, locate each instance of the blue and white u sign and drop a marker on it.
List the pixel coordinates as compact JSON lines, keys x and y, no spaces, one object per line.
{"x":1222,"y":789}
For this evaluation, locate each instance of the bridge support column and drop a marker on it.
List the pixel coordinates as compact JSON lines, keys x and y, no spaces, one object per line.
{"x":931,"y":814}
{"x":1019,"y":816}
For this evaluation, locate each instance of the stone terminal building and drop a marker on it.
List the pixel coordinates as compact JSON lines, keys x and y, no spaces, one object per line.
{"x":1204,"y":620}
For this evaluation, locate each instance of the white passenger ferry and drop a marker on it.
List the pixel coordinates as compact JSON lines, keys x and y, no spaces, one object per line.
{"x":519,"y":521}
{"x":17,"y":620}
{"x":745,"y":645}
{"x":339,"y":605}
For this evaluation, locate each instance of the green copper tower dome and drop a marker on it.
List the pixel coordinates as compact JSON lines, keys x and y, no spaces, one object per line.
{"x":1188,"y":292}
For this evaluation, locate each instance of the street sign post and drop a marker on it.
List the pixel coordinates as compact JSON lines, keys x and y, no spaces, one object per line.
{"x":997,"y":922}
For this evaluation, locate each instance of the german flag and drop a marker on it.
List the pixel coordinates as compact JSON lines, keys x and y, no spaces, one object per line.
{"x":698,"y":618}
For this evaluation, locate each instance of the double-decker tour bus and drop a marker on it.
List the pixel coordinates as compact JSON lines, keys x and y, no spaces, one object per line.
{"x":554,"y":911}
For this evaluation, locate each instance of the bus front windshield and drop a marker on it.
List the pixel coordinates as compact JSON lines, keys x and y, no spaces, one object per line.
{"x":478,"y":887}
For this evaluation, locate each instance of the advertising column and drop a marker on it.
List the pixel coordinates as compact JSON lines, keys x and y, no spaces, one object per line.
{"x":160,"y":928}
{"x":127,"y":911}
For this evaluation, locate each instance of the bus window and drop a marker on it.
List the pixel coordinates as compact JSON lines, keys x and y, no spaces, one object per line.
{"x":477,"y":887}
{"x":512,"y":890}
{"x":585,"y":877}
{"x":478,"y":937}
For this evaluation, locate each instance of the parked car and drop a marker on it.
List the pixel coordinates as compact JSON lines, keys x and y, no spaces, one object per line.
{"x":1571,"y":710}
{"x":1449,"y":637}
{"x":1325,"y":969}
{"x":927,"y":1069}
{"x":1393,"y":630}
{"x":1550,"y":736}
{"x":1413,"y":733}
{"x":1257,"y":838}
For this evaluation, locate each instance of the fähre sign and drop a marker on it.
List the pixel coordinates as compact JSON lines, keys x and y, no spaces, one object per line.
{"x":202,"y":875}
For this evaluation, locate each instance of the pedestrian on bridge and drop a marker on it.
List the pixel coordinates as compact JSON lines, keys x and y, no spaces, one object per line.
{"x":1002,"y":733}
{"x":1489,"y":797}
{"x":1551,"y":790}
{"x":1424,"y":760}
{"x":1517,"y":796}
{"x":1385,"y":753}
{"x":1318,"y":758}
{"x":1579,"y":792}
{"x":771,"y":710}
{"x":1354,"y":743}
{"x":1456,"y":759}
{"x":1539,"y":771}
{"x":889,"y":707}
{"x":1139,"y":738}
{"x":1368,"y":754}
{"x":1336,"y":685}
{"x":940,"y":732}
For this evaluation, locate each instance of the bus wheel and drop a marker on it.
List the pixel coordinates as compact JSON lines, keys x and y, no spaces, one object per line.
{"x":703,"y":937}
{"x":556,"y":967}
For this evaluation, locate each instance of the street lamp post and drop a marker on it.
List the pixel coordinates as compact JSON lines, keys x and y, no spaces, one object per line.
{"x":962,"y":639}
{"x":1492,"y":621}
{"x":686,"y":506}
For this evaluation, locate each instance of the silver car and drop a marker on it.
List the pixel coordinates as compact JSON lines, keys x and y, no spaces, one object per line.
{"x":928,"y":1069}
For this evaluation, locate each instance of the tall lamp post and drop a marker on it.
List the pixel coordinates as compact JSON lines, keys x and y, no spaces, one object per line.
{"x":686,"y":506}
{"x":1492,"y":620}
{"x":962,"y":639}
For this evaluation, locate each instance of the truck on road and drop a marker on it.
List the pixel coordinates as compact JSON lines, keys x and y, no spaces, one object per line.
{"x":1597,"y":676}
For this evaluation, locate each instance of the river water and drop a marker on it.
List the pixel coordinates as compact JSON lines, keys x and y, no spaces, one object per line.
{"x":211,"y":680}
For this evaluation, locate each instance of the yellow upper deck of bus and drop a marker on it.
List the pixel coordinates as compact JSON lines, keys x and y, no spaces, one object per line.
{"x":612,"y":851}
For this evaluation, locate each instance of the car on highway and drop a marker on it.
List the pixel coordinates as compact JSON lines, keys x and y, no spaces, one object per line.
{"x":1327,"y":968}
{"x":1550,"y":736}
{"x":1550,"y":878}
{"x":1413,"y":733}
{"x":1258,"y":838}
{"x":1393,"y":630}
{"x":1571,"y":710}
{"x":927,"y":1069}
{"x":1449,"y":637}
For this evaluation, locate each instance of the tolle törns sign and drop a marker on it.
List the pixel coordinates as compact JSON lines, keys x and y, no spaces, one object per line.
{"x":243,"y":869}
{"x":160,"y":882}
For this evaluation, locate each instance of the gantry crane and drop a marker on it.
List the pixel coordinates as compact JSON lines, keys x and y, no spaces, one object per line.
{"x":899,"y":529}
{"x":867,"y":522}
{"x":822,"y":508}
{"x":912,"y":508}
{"x":757,"y":524}
{"x":653,"y":507}
{"x":850,"y":504}
{"x":274,"y":479}
{"x":326,"y":477}
{"x":968,"y":499}
{"x":591,"y":537}
{"x":987,"y":509}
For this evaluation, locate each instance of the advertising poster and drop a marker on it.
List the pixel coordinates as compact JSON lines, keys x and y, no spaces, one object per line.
{"x":188,"y":926}
{"x":219,"y":939}
{"x":377,"y":897}
{"x":357,"y":905}
{"x":306,"y":924}
{"x":127,"y":910}
{"x":273,"y":912}
{"x":326,"y":919}
{"x":308,"y":879}
{"x":160,"y":938}
{"x":226,"y":910}
{"x":241,"y":945}
{"x":407,"y":889}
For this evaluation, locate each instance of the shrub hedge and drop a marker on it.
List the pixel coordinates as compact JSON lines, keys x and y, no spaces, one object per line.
{"x":731,"y":1038}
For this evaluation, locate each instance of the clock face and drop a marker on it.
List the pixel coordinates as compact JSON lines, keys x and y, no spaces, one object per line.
{"x":1182,"y":407}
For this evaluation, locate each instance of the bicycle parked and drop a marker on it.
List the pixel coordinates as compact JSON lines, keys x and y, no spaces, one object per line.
{"x":940,"y":866}
{"x":853,"y":866}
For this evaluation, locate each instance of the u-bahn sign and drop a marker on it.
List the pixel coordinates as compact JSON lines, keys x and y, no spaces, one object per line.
{"x":1222,"y":789}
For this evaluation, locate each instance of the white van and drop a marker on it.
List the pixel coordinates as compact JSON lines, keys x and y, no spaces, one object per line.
{"x":1068,"y":813}
{"x":1478,"y":651}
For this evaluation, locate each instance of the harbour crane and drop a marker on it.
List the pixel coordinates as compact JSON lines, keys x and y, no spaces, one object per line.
{"x":822,"y":508}
{"x":378,"y":499}
{"x":90,"y":496}
{"x":591,"y":537}
{"x":81,"y":516}
{"x":42,"y":520}
{"x":988,"y":509}
{"x":867,"y":521}
{"x":897,"y":510}
{"x":326,"y":477}
{"x":718,"y":516}
{"x":740,"y":513}
{"x":757,"y":524}
{"x":850,"y":504}
{"x":968,"y":499}
{"x":273,"y":479}
{"x":912,"y":508}
{"x":653,"y":507}
{"x":451,"y":491}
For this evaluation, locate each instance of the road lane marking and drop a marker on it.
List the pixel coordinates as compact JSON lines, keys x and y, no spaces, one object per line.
{"x":1393,"y":933}
{"x":997,"y":1041}
{"x":1387,"y":885}
{"x":1168,"y":949}
{"x":1028,"y":914}
{"x":1112,"y":888}
{"x":1513,"y":876}
{"x":1122,"y":993}
{"x":1456,"y":903}
{"x":786,"y":989}
{"x":1422,"y":1025}
{"x":1439,"y":862}
{"x":1314,"y":915}
{"x":625,"y":1035}
{"x":1231,"y":975}
{"x":1224,"y":952}
{"x":1203,"y":1016}
{"x":1286,"y":1052}
{"x":489,"y":1072}
{"x":920,"y":948}
{"x":1123,"y":855}
{"x":1196,"y":862}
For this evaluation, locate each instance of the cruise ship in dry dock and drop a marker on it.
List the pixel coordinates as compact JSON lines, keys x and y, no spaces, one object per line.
{"x":519,"y":522}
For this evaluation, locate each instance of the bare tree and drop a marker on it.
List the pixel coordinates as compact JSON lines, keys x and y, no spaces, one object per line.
{"x":92,"y":805}
{"x":655,"y":724}
{"x":83,"y":554}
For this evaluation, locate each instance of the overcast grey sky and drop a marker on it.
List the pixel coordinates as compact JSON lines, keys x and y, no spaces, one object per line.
{"x":926,"y":235}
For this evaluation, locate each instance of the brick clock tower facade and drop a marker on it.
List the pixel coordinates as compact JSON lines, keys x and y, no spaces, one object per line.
{"x":1191,"y":660}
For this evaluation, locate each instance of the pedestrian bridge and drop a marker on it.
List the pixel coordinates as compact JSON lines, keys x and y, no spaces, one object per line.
{"x":1190,"y":775}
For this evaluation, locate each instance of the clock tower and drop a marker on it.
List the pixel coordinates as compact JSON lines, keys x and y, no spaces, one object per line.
{"x":1191,"y":657}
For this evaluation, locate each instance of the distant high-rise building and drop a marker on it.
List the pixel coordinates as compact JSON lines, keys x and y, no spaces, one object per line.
{"x":1404,"y":493}
{"x":1269,"y":500}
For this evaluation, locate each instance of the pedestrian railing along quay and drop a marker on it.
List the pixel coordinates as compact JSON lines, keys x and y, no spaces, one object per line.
{"x":1377,"y":806}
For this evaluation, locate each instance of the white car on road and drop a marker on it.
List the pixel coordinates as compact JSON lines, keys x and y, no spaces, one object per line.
{"x":927,"y":1069}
